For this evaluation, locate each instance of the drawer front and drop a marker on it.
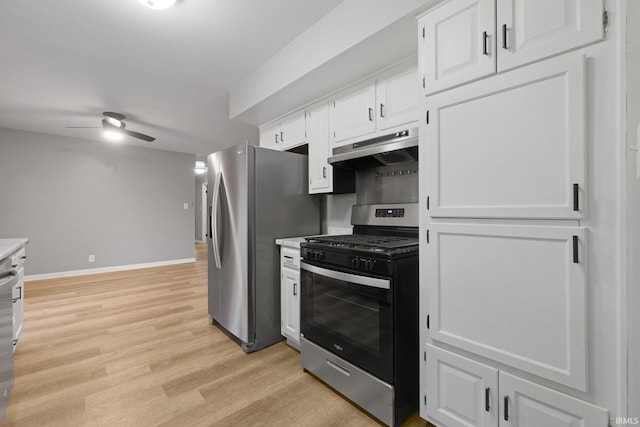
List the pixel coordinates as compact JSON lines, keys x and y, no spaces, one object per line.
{"x":18,"y":258}
{"x":290,"y":258}
{"x":373,"y":395}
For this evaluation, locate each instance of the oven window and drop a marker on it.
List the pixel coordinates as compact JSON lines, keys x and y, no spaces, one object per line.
{"x":346,"y":310}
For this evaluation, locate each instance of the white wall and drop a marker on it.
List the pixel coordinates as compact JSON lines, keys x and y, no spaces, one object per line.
{"x":73,"y":197}
{"x":633,"y":207}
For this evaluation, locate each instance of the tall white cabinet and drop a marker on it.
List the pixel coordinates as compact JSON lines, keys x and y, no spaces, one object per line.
{"x":511,"y":220}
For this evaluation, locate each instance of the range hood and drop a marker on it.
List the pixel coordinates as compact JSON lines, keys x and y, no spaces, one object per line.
{"x":398,"y":147}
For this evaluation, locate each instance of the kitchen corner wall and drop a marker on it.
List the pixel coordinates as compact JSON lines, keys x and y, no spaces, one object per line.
{"x":336,"y":212}
{"x":73,"y":197}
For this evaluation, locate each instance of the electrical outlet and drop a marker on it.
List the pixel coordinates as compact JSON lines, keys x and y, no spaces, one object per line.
{"x":92,"y":258}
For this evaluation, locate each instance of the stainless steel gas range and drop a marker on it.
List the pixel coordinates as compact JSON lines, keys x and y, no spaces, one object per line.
{"x":359,"y":310}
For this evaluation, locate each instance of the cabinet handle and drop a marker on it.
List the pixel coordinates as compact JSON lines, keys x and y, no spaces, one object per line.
{"x":281,"y":136}
{"x":276,"y":138}
{"x":324,"y":171}
{"x":504,"y":37}
{"x":576,"y":192}
{"x":487,"y":405}
{"x":575,"y":250}
{"x":289,"y":257}
{"x":294,"y":289}
{"x":506,"y":408}
{"x":19,"y":296}
{"x":381,"y":109}
{"x":370,"y":114}
{"x":485,"y":48}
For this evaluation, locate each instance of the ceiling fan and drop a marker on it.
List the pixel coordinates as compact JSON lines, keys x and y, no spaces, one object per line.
{"x":114,"y":127}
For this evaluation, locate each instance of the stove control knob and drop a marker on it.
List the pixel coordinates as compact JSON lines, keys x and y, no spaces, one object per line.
{"x":355,"y":262}
{"x":320,"y":255}
{"x":370,"y":264}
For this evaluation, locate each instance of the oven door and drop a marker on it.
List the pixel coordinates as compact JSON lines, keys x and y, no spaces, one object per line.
{"x":350,"y":315}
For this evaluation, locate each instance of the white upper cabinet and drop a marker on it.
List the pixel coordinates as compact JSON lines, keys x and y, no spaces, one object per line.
{"x":464,"y":40}
{"x":534,"y":29}
{"x":397,"y":98}
{"x":520,"y":298}
{"x":376,"y":107}
{"x":270,"y":135}
{"x":292,"y":130}
{"x":458,"y":43}
{"x":288,"y":132}
{"x":492,"y":155}
{"x":353,"y":112}
{"x":320,"y":171}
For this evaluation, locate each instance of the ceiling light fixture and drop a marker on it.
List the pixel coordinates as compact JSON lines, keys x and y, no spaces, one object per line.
{"x":200,"y":167}
{"x":157,"y":4}
{"x":113,"y":135}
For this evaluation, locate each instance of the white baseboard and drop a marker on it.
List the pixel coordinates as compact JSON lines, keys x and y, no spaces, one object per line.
{"x":105,"y":269}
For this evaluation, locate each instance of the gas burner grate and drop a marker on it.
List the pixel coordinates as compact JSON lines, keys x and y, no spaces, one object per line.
{"x":366,"y":241}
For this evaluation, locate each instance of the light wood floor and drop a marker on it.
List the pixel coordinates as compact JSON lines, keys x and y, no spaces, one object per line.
{"x":136,"y":349}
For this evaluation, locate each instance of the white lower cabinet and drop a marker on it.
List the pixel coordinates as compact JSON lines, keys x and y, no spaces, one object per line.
{"x":290,"y":294}
{"x":464,"y":393}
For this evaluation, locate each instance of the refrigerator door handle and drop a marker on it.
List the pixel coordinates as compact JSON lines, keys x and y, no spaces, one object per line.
{"x":214,"y":223}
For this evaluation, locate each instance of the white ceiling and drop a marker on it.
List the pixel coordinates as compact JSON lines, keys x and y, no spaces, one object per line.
{"x":64,"y":62}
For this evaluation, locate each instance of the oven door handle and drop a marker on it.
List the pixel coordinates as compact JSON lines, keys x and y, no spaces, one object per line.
{"x":347,"y":277}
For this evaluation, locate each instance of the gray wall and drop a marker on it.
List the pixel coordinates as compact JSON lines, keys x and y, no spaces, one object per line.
{"x":74,"y":197}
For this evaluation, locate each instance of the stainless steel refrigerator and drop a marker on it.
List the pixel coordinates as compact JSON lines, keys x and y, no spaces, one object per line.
{"x":254,"y":196}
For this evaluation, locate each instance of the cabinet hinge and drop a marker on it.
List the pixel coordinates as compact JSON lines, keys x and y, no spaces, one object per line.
{"x":426,"y":117}
{"x":428,"y":323}
{"x":605,"y":19}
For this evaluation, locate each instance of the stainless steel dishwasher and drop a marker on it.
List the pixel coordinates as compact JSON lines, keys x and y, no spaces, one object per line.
{"x":8,"y":278}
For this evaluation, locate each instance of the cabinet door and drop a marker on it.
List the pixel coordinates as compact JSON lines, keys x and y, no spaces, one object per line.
{"x":291,"y":304}
{"x":459,"y":43}
{"x":320,"y":171}
{"x":292,"y":130}
{"x":510,"y":146}
{"x":270,"y":135}
{"x":352,"y":113}
{"x":526,"y":404}
{"x":530,"y":30}
{"x":397,"y":98}
{"x":514,"y":294}
{"x":460,"y":391}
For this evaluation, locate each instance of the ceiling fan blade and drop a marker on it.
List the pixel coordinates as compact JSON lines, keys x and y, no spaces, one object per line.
{"x":117,"y":116}
{"x":139,"y":135}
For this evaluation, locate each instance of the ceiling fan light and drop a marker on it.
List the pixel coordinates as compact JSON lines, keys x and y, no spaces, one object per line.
{"x":157,"y":4}
{"x":113,"y":135}
{"x":113,"y":122}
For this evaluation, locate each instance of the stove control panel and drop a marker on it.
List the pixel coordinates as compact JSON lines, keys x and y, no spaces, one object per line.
{"x":313,"y":254}
{"x":390,"y":213}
